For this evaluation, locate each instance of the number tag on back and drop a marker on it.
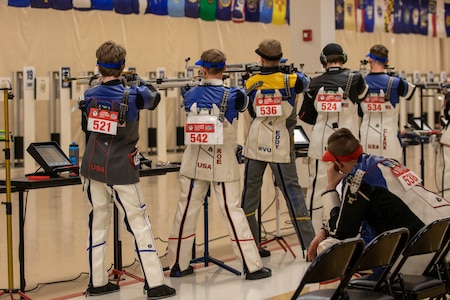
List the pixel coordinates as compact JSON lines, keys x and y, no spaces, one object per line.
{"x":374,"y":103}
{"x":103,"y":121}
{"x":407,"y":178}
{"x":203,"y":130}
{"x":268,"y":105}
{"x":329,"y":102}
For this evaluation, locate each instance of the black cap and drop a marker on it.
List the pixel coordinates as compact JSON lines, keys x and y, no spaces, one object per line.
{"x":332,"y":49}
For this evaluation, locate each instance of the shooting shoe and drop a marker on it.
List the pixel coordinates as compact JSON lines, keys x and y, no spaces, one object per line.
{"x":175,"y":271}
{"x":160,"y":292}
{"x":263,"y":252}
{"x":260,"y":274}
{"x":102,"y":290}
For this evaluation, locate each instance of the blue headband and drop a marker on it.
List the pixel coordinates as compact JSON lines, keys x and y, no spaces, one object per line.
{"x":111,"y":65}
{"x":216,"y":65}
{"x":380,"y":59}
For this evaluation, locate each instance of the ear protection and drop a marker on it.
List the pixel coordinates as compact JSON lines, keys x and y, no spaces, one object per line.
{"x":323,"y":58}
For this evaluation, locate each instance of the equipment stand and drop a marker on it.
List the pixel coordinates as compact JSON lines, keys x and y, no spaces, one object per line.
{"x":278,"y":238}
{"x":206,"y":257}
{"x":118,"y":271}
{"x":10,"y":290}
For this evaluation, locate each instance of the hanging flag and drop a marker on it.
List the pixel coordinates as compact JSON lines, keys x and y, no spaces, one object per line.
{"x":158,"y":7}
{"x":265,"y":11}
{"x":19,"y":3}
{"x":440,"y":19}
{"x":252,"y":11}
{"x":279,"y":12}
{"x":407,"y":16}
{"x":223,"y":10}
{"x":208,"y":10}
{"x":447,"y":18}
{"x":349,"y":15}
{"x":102,"y":4}
{"x":192,"y":8}
{"x":423,"y":29}
{"x":175,"y":8}
{"x":126,"y":6}
{"x":432,"y":27}
{"x":389,"y":16}
{"x":339,"y":14}
{"x":40,"y":3}
{"x":398,"y":16}
{"x":288,"y":12}
{"x":369,"y":15}
{"x":420,"y":17}
{"x":238,"y":11}
{"x":82,"y":4}
{"x":379,"y":9}
{"x":61,"y":4}
{"x":360,"y":12}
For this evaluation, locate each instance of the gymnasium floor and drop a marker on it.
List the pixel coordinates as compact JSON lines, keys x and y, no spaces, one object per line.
{"x":56,"y":230}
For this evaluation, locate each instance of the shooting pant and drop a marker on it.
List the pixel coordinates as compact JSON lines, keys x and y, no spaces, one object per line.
{"x":287,"y":180}
{"x":131,"y":205}
{"x":182,"y":234}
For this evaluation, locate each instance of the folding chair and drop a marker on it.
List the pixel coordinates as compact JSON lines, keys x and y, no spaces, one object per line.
{"x":380,"y":254}
{"x":432,"y":238}
{"x":334,"y":262}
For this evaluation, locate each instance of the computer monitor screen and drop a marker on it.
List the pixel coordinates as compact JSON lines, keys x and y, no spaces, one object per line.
{"x":301,"y":140}
{"x":49,"y":156}
{"x":417,"y":124}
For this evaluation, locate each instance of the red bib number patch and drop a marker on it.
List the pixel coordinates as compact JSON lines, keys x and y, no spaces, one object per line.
{"x":103,"y":121}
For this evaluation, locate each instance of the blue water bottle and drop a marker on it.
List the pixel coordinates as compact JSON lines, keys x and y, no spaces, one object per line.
{"x":74,"y":155}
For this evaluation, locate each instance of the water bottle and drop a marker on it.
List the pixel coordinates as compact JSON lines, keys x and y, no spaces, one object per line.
{"x":74,"y":154}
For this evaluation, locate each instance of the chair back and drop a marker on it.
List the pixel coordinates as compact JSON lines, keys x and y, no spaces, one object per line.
{"x":427,"y":240}
{"x":334,"y":262}
{"x":382,"y":252}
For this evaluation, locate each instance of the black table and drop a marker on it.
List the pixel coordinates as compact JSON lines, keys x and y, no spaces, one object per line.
{"x":23,"y":184}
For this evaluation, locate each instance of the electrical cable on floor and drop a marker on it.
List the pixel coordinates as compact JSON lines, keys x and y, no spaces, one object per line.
{"x":54,"y":282}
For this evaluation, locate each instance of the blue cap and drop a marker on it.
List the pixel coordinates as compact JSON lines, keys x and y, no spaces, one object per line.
{"x":111,"y":65}
{"x":380,"y":59}
{"x":216,"y":65}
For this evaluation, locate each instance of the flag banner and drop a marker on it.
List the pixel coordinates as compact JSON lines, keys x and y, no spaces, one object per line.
{"x":339,"y":14}
{"x":379,"y":10}
{"x":40,"y":3}
{"x":360,"y":11}
{"x":175,"y":8}
{"x":238,"y":11}
{"x":192,"y":8}
{"x":82,"y":4}
{"x":349,"y":15}
{"x":158,"y":7}
{"x":420,"y":17}
{"x":389,"y":16}
{"x":223,"y":10}
{"x":440,"y":19}
{"x":61,"y":4}
{"x":102,"y":4}
{"x":432,"y":27}
{"x":19,"y":3}
{"x":447,"y":18}
{"x":265,"y":11}
{"x":279,"y":12}
{"x":208,"y":10}
{"x":126,"y":7}
{"x":251,"y":10}
{"x":369,"y":15}
{"x":288,"y":12}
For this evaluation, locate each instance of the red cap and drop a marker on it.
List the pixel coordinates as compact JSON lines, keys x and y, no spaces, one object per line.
{"x":328,"y":156}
